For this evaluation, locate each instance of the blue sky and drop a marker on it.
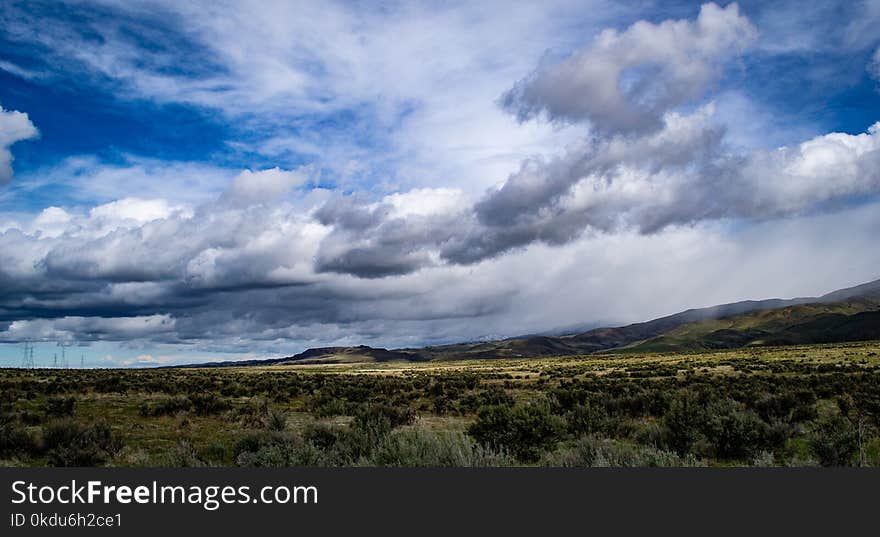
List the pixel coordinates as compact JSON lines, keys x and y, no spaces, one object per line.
{"x":202,"y":181}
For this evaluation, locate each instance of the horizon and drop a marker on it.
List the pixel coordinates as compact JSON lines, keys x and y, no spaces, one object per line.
{"x":201,"y":183}
{"x":47,"y":348}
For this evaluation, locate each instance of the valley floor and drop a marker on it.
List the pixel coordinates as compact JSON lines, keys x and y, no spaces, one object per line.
{"x":785,"y":406}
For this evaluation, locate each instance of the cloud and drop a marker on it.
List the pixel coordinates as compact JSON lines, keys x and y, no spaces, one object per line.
{"x":330,"y":83}
{"x":251,"y":188}
{"x":86,"y":329}
{"x":139,"y":211}
{"x":14,"y":127}
{"x":501,"y":296}
{"x":682,"y":174}
{"x":679,"y":175}
{"x":624,"y":82}
{"x":411,"y":238}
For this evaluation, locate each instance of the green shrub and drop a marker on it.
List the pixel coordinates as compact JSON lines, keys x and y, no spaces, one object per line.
{"x":734,"y":431}
{"x":524,"y":430}
{"x":165,"y":406}
{"x":60,"y":407}
{"x":183,"y":455}
{"x":684,"y":422}
{"x":277,"y":450}
{"x":276,"y":420}
{"x":587,"y":419}
{"x":205,"y":404}
{"x":593,"y":451}
{"x":834,"y":441}
{"x":68,"y":443}
{"x":16,"y":441}
{"x":415,"y":447}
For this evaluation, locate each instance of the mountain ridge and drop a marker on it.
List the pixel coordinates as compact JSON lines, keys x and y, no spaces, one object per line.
{"x":849,"y":312}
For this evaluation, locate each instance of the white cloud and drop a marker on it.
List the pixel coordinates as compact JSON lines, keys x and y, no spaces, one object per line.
{"x":51,"y":222}
{"x":74,"y":328}
{"x":14,"y":127}
{"x":146,"y":360}
{"x":425,"y":201}
{"x":626,"y":81}
{"x":251,"y":188}
{"x":134,"y":210}
{"x":87,"y":180}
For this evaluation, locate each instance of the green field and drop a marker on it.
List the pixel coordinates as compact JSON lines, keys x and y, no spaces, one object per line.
{"x":768,"y":406}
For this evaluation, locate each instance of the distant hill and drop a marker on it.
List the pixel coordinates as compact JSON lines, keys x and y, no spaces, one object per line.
{"x":854,"y":319}
{"x":627,"y":337}
{"x":851,"y":314}
{"x":342,"y":355}
{"x":324,"y":355}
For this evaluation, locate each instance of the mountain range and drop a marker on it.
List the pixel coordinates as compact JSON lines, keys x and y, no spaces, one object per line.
{"x":851,"y":314}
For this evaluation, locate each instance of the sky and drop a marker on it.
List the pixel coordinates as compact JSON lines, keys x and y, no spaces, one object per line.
{"x":198,"y":181}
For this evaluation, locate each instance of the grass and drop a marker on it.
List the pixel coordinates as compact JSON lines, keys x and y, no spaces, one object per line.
{"x":834,"y":388}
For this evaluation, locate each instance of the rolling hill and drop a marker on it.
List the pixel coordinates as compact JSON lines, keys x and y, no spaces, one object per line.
{"x":723,"y":326}
{"x":325,"y":355}
{"x":850,"y":320}
{"x":851,"y":314}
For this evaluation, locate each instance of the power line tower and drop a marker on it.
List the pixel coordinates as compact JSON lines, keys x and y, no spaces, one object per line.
{"x":27,"y":361}
{"x":63,"y":363}
{"x":82,"y":361}
{"x":55,"y":361}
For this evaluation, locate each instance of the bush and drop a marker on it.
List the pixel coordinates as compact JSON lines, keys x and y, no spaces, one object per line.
{"x":205,"y":404}
{"x":414,"y":447}
{"x":276,"y":420}
{"x":733,"y":431}
{"x":524,"y":430}
{"x":252,"y":414}
{"x":60,"y":407}
{"x":68,"y":443}
{"x":593,"y":451}
{"x":373,"y":422}
{"x":683,"y":423}
{"x":587,"y":419}
{"x":834,"y":441}
{"x":326,"y":406}
{"x":183,"y":455}
{"x":15,"y":441}
{"x":277,"y":450}
{"x":165,"y":406}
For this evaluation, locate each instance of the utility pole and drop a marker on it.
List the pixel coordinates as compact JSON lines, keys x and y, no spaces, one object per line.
{"x":27,"y":361}
{"x":63,"y":364}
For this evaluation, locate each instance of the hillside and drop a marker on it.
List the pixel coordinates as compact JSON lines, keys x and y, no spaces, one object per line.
{"x":851,"y":314}
{"x":325,"y":355}
{"x":843,"y":315}
{"x":342,"y":355}
{"x":628,"y":337}
{"x":851,"y":320}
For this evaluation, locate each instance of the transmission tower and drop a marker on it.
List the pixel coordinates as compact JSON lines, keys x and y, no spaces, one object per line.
{"x":55,"y":361}
{"x":82,"y":361}
{"x":63,"y":364}
{"x":27,"y":361}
